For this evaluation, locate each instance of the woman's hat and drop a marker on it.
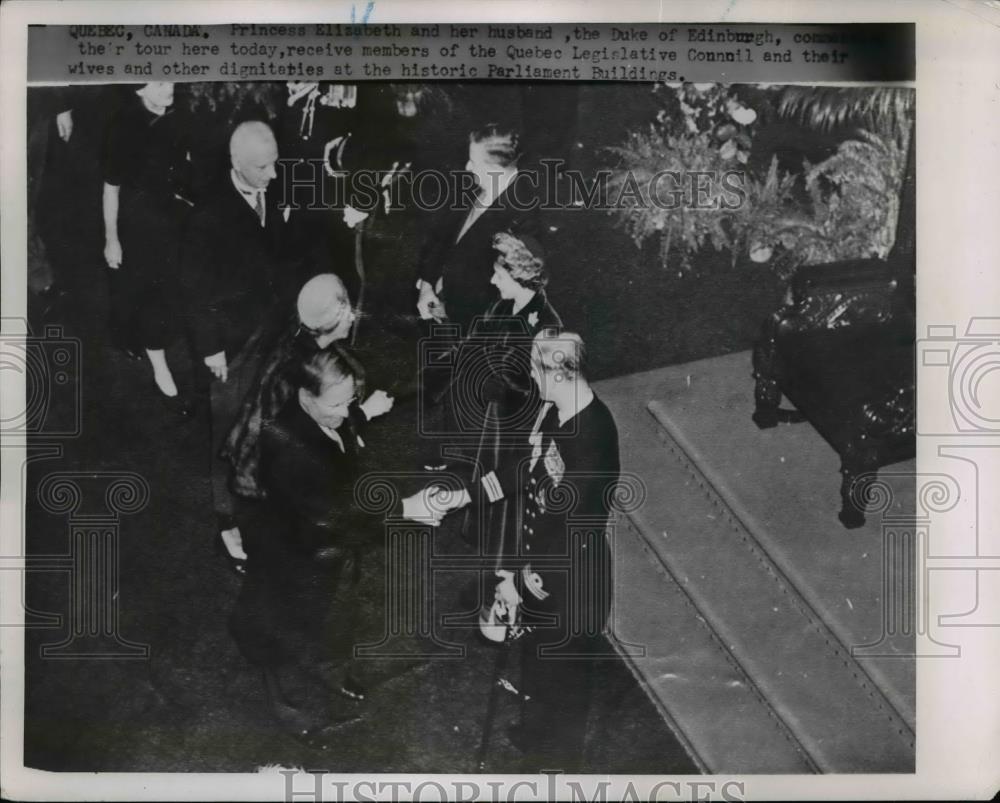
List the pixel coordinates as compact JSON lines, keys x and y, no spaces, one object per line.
{"x":323,"y":302}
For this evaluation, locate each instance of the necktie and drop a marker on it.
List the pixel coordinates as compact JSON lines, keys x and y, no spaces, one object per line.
{"x":479,"y":206}
{"x":259,"y":207}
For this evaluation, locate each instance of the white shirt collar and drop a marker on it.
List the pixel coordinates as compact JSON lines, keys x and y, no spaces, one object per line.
{"x":333,"y":435}
{"x":242,"y":186}
{"x":250,"y":194}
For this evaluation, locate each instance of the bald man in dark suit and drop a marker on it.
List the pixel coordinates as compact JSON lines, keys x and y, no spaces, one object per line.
{"x":238,"y":273}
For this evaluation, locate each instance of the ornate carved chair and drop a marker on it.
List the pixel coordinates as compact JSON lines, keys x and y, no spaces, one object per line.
{"x":842,"y":349}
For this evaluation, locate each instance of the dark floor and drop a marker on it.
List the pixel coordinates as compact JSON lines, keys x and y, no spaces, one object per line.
{"x":194,"y":705}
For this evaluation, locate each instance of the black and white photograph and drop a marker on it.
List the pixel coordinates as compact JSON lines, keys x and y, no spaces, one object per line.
{"x":555,"y":417}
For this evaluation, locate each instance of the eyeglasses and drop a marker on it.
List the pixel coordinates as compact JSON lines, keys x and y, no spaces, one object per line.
{"x":333,"y":408}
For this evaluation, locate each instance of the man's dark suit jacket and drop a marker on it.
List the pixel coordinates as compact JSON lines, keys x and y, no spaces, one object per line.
{"x":310,"y":484}
{"x":234,"y":271}
{"x":466,"y":266}
{"x":300,"y":539}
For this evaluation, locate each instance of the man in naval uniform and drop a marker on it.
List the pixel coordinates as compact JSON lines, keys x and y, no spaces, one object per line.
{"x":554,"y":585}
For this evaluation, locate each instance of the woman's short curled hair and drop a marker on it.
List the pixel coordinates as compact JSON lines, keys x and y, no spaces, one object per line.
{"x":502,"y":144}
{"x":521,"y":257}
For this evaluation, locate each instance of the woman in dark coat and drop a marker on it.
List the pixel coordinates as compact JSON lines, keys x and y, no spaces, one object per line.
{"x":491,"y":385}
{"x":323,"y":320}
{"x":145,"y":180}
{"x":499,"y":371}
{"x":523,"y":311}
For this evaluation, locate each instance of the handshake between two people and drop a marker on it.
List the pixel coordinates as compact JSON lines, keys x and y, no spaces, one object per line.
{"x":431,"y":504}
{"x":429,"y":304}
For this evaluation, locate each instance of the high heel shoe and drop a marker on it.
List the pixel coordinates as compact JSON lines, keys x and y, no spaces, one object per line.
{"x":237,"y":565}
{"x":162,"y":377}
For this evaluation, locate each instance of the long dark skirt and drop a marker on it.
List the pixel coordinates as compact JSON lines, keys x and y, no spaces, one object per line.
{"x":145,"y":293}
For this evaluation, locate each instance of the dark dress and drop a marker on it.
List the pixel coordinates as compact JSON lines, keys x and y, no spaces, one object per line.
{"x":301,"y":541}
{"x":65,"y":232}
{"x":503,"y":341}
{"x":145,"y":157}
{"x":507,"y":337}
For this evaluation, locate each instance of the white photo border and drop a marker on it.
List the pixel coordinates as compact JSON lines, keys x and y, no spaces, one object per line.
{"x":958,"y":255}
